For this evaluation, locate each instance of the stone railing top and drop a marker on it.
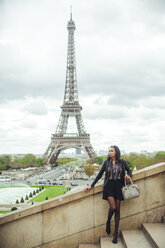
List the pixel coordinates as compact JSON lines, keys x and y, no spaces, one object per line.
{"x":75,"y":195}
{"x":148,"y":171}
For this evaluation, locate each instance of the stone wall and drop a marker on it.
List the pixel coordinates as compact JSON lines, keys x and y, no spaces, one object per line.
{"x":79,"y":217}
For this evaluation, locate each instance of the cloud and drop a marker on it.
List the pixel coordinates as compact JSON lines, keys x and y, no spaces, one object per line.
{"x":154,"y":102}
{"x":29,"y":124}
{"x":36,"y":108}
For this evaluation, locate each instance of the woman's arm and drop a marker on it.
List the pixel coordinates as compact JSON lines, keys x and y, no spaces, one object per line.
{"x":129,"y":172}
{"x":99,"y":175}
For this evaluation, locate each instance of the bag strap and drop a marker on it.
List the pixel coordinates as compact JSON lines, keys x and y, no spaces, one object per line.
{"x":129,"y":179}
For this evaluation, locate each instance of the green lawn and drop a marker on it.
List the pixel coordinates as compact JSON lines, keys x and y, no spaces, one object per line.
{"x":45,"y":186}
{"x":74,"y":164}
{"x":50,"y":192}
{"x":4,"y":212}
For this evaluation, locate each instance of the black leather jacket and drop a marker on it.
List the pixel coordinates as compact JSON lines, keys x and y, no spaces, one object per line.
{"x":107,"y":167}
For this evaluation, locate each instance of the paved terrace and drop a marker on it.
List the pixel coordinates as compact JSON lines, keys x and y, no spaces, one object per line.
{"x":68,"y":220}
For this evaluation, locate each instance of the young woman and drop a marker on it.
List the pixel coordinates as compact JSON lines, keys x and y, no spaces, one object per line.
{"x":114,"y":169}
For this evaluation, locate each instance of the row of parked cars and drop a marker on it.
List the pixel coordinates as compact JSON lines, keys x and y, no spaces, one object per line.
{"x":51,"y":183}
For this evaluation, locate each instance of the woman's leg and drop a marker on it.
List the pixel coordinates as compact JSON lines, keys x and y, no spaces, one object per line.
{"x":117,"y":219}
{"x":111,"y":211}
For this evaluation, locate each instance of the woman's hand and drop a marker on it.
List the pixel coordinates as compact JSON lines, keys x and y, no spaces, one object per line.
{"x":87,"y":188}
{"x":127,"y":178}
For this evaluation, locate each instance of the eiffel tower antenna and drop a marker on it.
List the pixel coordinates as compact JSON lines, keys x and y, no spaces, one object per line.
{"x":62,"y":140}
{"x":70,"y":13}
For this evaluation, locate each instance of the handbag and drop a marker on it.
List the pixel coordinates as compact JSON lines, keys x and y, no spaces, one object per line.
{"x":130,"y":191}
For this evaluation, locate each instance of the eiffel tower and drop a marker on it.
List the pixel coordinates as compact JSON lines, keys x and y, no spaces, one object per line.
{"x":62,"y":140}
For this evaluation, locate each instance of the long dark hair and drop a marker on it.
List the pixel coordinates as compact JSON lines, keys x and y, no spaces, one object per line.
{"x":117,"y":153}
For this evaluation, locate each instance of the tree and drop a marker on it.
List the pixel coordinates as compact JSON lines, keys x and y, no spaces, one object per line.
{"x":7,"y":159}
{"x":5,"y":162}
{"x":30,"y":195}
{"x":13,"y":208}
{"x":26,"y":161}
{"x":39,"y":161}
{"x":140,"y":162}
{"x":17,"y":202}
{"x":26,"y":198}
{"x":22,"y":200}
{"x":159,"y":157}
{"x":29,"y":159}
{"x":92,"y":161}
{"x":89,"y":170}
{"x":130,"y":158}
{"x":2,"y":166}
{"x":62,"y":161}
{"x":99,"y":160}
{"x":160,"y":154}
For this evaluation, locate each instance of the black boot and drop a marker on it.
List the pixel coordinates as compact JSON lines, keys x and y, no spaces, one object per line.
{"x":108,"y":229}
{"x":115,"y":238}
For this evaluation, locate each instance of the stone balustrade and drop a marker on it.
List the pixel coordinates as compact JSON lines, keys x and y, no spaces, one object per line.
{"x":68,"y":220}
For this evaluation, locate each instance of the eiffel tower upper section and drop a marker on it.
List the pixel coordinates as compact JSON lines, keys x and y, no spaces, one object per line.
{"x":71,"y":106}
{"x":71,"y":91}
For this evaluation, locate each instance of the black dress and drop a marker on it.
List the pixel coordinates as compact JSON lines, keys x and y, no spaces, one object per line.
{"x":114,"y":185}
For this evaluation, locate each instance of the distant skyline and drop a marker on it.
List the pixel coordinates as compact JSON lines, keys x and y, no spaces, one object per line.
{"x":72,"y":151}
{"x":120,"y":58}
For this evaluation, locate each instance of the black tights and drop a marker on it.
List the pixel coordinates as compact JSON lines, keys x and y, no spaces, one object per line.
{"x":114,"y":208}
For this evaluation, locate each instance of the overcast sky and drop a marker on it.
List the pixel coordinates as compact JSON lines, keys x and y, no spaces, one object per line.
{"x":120,"y":58}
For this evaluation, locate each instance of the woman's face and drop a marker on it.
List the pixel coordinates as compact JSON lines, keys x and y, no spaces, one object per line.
{"x":112,"y":152}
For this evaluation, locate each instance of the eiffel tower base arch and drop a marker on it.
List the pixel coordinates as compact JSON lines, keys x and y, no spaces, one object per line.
{"x":58,"y":144}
